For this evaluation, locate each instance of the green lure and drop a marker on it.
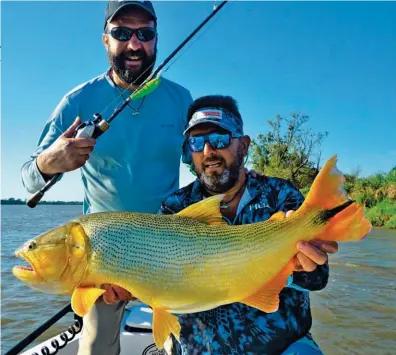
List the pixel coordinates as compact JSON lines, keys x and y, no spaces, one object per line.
{"x":147,"y":89}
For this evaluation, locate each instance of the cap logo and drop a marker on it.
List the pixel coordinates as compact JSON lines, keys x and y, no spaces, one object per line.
{"x":222,"y":118}
{"x":214,"y":115}
{"x":211,"y":113}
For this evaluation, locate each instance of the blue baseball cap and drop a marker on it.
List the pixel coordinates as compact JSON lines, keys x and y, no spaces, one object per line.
{"x":114,"y":6}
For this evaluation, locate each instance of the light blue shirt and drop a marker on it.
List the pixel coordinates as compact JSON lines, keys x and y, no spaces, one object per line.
{"x":135,"y":163}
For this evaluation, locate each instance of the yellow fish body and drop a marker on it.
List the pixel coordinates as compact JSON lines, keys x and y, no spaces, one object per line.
{"x":191,"y":261}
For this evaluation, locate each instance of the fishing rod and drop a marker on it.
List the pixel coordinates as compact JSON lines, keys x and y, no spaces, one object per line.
{"x":96,"y":127}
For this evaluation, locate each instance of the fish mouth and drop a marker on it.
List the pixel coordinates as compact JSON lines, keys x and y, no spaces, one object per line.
{"x":26,"y":273}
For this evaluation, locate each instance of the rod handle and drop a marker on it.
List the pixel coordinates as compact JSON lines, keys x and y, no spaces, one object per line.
{"x":35,"y":199}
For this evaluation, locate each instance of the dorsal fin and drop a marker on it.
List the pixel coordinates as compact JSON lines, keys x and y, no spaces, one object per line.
{"x":206,"y":211}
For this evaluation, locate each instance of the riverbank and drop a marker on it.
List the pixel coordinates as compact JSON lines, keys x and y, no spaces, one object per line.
{"x":383,"y":214}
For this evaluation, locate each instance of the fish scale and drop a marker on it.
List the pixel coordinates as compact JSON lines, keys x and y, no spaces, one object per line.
{"x":173,"y":253}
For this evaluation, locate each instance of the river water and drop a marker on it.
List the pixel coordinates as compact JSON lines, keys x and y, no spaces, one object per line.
{"x":354,"y":314}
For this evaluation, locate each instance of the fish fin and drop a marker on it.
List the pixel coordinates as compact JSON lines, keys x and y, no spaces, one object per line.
{"x":327,"y":190}
{"x":278,"y":216}
{"x":206,"y":211}
{"x":266,"y":298}
{"x":84,"y":298}
{"x":164,"y":324}
{"x":348,"y":225}
{"x":344,"y":218}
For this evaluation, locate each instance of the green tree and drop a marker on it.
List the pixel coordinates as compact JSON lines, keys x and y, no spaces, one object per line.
{"x":288,"y":150}
{"x":350,"y":180}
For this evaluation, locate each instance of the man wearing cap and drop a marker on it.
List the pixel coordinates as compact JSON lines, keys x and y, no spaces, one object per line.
{"x":215,"y":147}
{"x":144,"y":142}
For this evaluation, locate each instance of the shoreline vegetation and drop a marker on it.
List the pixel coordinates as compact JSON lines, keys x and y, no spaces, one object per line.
{"x":377,"y":193}
{"x":292,"y":151}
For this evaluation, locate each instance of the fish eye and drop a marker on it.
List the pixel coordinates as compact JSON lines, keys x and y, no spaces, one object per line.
{"x":32,"y":245}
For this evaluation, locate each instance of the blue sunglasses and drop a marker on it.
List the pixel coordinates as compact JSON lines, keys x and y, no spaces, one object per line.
{"x":216,"y":140}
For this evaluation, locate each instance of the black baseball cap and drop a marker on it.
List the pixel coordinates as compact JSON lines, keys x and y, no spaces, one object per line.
{"x":114,"y":6}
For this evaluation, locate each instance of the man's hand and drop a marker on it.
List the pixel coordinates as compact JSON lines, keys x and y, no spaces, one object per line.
{"x":66,"y":153}
{"x":313,"y":253}
{"x":115,"y":294}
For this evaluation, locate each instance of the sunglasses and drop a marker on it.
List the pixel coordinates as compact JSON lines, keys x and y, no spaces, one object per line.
{"x":216,"y":140}
{"x":123,"y":34}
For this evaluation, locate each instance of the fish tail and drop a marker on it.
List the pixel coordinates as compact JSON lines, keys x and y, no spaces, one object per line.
{"x":344,"y":219}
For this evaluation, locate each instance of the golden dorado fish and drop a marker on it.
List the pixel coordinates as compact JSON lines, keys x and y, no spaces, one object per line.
{"x":191,"y":261}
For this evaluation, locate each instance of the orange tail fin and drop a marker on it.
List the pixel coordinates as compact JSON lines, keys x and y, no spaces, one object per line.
{"x":345,"y":220}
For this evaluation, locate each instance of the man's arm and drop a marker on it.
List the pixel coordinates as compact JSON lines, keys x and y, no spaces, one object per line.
{"x":32,"y":178}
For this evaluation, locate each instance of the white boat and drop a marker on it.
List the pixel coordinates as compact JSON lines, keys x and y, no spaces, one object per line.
{"x":136,"y":335}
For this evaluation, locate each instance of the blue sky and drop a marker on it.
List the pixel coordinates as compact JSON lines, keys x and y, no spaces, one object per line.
{"x":334,"y":61}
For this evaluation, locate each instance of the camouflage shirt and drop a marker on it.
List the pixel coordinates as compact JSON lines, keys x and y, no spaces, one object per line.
{"x":237,"y":328}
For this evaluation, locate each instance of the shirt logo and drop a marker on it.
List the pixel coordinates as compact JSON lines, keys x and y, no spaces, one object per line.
{"x":258,"y":206}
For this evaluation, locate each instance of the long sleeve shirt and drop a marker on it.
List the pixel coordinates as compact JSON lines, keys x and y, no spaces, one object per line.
{"x":135,"y":164}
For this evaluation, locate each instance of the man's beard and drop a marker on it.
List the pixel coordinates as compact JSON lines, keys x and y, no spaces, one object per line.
{"x":222,"y":182}
{"x":117,"y":63}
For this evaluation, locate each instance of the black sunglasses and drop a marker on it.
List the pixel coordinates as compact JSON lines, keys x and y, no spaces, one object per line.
{"x":144,"y":34}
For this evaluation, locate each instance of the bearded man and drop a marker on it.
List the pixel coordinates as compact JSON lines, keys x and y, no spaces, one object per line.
{"x":136,"y":164}
{"x":216,"y":147}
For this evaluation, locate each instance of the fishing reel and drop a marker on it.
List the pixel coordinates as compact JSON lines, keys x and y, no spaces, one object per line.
{"x":89,"y":129}
{"x":92,"y":129}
